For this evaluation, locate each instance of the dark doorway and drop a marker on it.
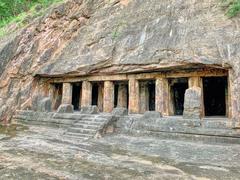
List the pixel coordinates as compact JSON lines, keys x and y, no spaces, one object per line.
{"x":76,"y":96}
{"x":151,"y":90}
{"x":116,"y":87}
{"x":178,"y":88}
{"x":215,"y":90}
{"x":95,"y":89}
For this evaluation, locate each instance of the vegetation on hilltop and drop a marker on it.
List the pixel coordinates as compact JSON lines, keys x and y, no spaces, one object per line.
{"x":19,"y":12}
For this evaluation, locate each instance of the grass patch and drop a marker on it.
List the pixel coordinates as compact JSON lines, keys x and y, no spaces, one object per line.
{"x":10,"y":22}
{"x":232,"y":7}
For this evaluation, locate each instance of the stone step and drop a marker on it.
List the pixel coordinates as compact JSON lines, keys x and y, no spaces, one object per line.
{"x":39,"y":123}
{"x":45,"y":121}
{"x":88,"y":122}
{"x":78,"y":135}
{"x":22,"y":117}
{"x":220,"y":124}
{"x":86,"y":126}
{"x":77,"y":116}
{"x":187,"y":129}
{"x":93,"y":119}
{"x":82,"y":130}
{"x":189,"y":137}
{"x":68,"y":116}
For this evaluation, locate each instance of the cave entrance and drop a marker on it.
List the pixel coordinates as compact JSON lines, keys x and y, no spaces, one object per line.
{"x":215,"y":95}
{"x":76,"y":95}
{"x":178,"y":87}
{"x":97,"y":95}
{"x":121,"y":94}
{"x":57,"y":95}
{"x":147,"y":96}
{"x":151,"y":90}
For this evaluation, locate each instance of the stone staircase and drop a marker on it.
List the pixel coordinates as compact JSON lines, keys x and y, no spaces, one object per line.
{"x":78,"y":126}
{"x":87,"y":127}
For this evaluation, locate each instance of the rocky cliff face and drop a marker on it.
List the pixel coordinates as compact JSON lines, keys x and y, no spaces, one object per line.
{"x":117,"y":36}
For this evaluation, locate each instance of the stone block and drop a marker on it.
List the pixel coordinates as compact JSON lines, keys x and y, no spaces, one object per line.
{"x":90,"y":110}
{"x":152,"y":115}
{"x":192,"y":103}
{"x":44,"y":105}
{"x":65,"y":108}
{"x":119,"y":111}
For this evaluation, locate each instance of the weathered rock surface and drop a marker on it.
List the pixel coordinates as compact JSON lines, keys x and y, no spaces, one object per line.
{"x":152,"y":115}
{"x":119,"y":111}
{"x":45,"y":105}
{"x":159,"y":34}
{"x":90,"y":110}
{"x":113,"y":157}
{"x":25,"y":52}
{"x":65,"y":108}
{"x":97,"y":36}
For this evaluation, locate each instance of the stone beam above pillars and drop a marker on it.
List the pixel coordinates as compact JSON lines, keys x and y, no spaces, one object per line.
{"x":133,"y":96}
{"x":162,"y":96}
{"x":108,"y":96}
{"x":67,"y":93}
{"x":86,"y":94}
{"x":122,"y":96}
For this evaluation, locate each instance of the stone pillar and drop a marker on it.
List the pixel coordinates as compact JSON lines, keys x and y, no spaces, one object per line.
{"x":86,"y":94}
{"x":122,"y":96}
{"x":80,"y":98}
{"x":100,"y":97}
{"x":108,"y":96}
{"x":67,"y":93}
{"x":194,"y":82}
{"x":193,"y":99}
{"x":52,"y":91}
{"x":144,"y":98}
{"x":193,"y":103}
{"x":162,"y":96}
{"x":234,"y":98}
{"x":133,"y":96}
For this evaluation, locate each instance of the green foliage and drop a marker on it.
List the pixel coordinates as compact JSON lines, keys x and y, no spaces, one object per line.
{"x":233,"y":7}
{"x":15,"y":10}
{"x":19,"y":12}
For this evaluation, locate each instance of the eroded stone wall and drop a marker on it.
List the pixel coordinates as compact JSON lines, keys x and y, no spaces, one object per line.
{"x":27,"y":51}
{"x":83,"y":37}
